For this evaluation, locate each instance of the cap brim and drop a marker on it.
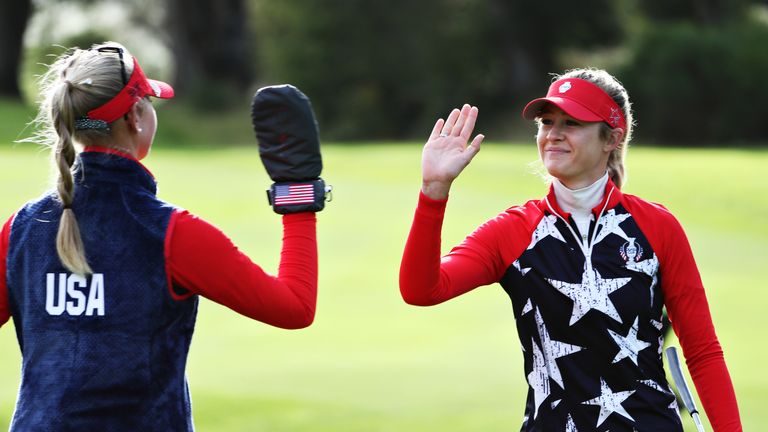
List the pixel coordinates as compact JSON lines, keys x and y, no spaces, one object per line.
{"x":160,"y":89}
{"x":571,"y":107}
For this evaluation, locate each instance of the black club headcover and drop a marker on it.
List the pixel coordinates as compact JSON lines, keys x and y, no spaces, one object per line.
{"x":289,"y":147}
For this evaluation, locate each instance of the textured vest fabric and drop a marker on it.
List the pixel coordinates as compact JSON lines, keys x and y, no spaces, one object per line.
{"x":589,"y":321}
{"x":106,"y":352}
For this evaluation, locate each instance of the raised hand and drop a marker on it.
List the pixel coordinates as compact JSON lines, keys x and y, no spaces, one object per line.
{"x":289,"y":146}
{"x":446,"y":153}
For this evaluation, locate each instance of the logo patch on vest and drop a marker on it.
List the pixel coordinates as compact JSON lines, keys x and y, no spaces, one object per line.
{"x":631,"y":251}
{"x":71,"y":293}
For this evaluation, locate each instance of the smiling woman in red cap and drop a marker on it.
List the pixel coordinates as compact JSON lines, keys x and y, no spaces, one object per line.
{"x":102,"y":278}
{"x":588,"y":269}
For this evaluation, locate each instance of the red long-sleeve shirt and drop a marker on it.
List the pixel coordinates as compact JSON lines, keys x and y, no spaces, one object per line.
{"x":203,"y":260}
{"x":496,"y":252}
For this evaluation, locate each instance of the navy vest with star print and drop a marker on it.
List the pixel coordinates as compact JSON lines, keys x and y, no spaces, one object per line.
{"x":106,"y":352}
{"x":589,"y":317}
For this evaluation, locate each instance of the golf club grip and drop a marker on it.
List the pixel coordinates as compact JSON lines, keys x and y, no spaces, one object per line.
{"x":677,"y":375}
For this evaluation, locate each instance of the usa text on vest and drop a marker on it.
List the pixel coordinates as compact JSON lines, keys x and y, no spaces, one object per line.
{"x":68,"y":296}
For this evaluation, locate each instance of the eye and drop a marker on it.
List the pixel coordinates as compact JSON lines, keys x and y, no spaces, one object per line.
{"x":571,"y":122}
{"x":546,"y":121}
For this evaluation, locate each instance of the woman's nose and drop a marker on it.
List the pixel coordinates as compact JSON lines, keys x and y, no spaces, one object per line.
{"x":555,"y":132}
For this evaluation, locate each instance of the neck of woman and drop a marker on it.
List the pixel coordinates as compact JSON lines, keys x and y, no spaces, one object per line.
{"x":580,"y":202}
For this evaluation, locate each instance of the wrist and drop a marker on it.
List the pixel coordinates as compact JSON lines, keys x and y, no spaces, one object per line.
{"x":436,"y":190}
{"x":298,"y":197}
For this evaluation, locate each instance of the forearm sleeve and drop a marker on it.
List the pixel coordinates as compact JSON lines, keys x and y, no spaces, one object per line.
{"x":204,"y":261}
{"x":427,"y":279}
{"x":689,"y":313}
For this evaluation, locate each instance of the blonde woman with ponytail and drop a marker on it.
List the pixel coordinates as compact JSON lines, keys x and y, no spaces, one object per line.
{"x":589,"y":269}
{"x":102,"y":278}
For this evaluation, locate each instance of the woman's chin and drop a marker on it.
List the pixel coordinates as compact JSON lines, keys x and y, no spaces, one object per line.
{"x":554,"y":169}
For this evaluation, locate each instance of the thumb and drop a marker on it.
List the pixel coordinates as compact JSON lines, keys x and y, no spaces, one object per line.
{"x":474,"y":147}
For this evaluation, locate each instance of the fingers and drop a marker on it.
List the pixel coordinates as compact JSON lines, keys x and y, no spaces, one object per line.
{"x":460,"y":123}
{"x":450,"y":122}
{"x":472,"y":149}
{"x":463,"y":114}
{"x":436,"y":130}
{"x":474,"y":146}
{"x":469,"y":124}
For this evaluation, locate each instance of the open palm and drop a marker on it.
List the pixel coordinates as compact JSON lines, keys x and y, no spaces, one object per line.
{"x":446,"y":152}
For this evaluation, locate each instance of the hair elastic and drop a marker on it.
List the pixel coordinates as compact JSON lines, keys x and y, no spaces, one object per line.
{"x":85,"y":123}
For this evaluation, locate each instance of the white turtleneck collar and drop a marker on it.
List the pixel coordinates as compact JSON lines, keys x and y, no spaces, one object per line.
{"x":580,"y":202}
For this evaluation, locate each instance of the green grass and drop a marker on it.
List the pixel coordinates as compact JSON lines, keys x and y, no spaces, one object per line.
{"x":372,"y":363}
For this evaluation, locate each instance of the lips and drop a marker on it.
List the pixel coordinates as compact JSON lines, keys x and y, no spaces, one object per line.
{"x":557,"y":150}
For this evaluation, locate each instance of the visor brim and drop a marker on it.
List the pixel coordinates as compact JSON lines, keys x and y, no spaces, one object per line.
{"x":571,"y":107}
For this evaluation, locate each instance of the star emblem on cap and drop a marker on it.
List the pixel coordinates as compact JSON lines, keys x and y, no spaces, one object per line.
{"x":615,"y":116}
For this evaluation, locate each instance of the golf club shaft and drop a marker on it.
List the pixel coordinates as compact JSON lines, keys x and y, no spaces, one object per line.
{"x":675,"y":368}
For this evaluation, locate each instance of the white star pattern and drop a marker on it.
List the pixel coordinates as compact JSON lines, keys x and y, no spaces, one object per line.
{"x":610,"y":402}
{"x":629,"y":345}
{"x":591,"y":293}
{"x":668,"y":391}
{"x":522,"y":271}
{"x":673,"y":406}
{"x":656,"y":386}
{"x":527,"y":308}
{"x":553,"y":350}
{"x":649,"y":267}
{"x":659,"y":325}
{"x":610,"y":222}
{"x":545,"y":228}
{"x":538,"y":379}
{"x":570,"y":426}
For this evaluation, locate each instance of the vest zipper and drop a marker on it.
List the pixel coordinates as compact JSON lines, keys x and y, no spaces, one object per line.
{"x":586,"y":248}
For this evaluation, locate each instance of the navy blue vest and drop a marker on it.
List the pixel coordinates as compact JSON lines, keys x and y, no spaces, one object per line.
{"x":107,"y":352}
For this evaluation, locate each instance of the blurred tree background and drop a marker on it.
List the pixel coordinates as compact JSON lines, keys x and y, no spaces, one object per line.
{"x":385,"y":70}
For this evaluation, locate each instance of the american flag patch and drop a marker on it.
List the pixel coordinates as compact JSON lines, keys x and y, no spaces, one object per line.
{"x":295,"y":194}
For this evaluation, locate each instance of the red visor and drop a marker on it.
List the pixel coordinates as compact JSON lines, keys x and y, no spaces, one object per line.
{"x":581,"y":100}
{"x":136,"y":88}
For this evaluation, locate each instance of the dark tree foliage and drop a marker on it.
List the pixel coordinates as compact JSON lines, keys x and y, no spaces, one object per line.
{"x":387,"y":69}
{"x":209,"y":41}
{"x":700,"y":86}
{"x":704,"y":12}
{"x":525,"y":37}
{"x":14,"y":15}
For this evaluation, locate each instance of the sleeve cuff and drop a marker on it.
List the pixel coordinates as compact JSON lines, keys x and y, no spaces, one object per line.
{"x":299,"y":217}
{"x":429,"y":204}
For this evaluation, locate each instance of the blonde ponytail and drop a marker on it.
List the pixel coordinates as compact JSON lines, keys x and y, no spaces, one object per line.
{"x":74,"y":84}
{"x":616,"y":169}
{"x":69,"y":242}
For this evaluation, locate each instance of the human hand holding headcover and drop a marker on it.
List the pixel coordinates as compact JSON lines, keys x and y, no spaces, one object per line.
{"x":289,"y":147}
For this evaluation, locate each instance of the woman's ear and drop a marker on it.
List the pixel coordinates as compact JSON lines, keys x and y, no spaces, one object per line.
{"x":133,"y":118}
{"x":614,"y":139}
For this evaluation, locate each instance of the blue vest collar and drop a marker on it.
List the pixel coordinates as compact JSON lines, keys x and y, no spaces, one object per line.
{"x":94,"y":165}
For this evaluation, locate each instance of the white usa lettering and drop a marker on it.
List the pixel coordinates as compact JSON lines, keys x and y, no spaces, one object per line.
{"x":63,"y":293}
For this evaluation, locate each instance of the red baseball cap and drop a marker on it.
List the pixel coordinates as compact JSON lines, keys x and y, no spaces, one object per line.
{"x":581,"y":100}
{"x":137,"y":87}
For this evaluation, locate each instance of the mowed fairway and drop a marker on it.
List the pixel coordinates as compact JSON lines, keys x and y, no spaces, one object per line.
{"x":371,"y":362}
